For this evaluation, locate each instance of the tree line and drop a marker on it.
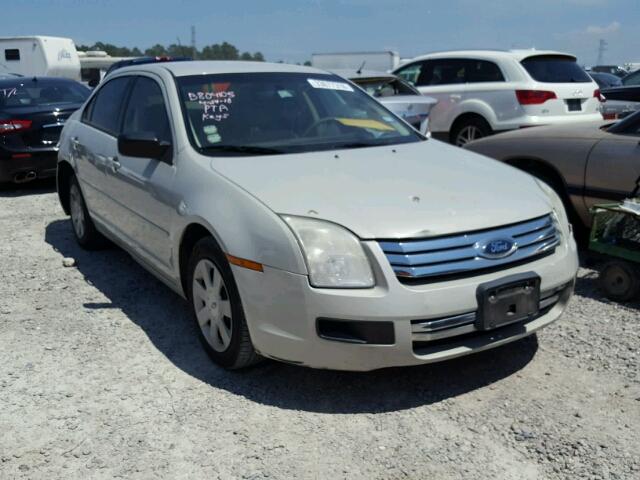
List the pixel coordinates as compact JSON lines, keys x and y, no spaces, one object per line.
{"x":216,"y":51}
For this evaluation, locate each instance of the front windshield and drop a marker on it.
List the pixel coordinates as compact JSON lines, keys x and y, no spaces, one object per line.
{"x":263,"y":113}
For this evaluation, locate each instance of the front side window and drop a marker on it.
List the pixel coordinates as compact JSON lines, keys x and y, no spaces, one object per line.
{"x":555,"y":69}
{"x":443,"y":72}
{"x":146,"y":111}
{"x":261,"y":113}
{"x":104,"y":110}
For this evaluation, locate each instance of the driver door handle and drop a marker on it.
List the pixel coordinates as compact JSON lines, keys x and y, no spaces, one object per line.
{"x":114,"y":164}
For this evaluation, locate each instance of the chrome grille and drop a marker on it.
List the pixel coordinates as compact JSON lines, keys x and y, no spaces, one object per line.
{"x":463,"y":253}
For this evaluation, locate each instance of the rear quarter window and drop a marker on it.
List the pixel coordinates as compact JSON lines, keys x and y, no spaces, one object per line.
{"x":555,"y":69}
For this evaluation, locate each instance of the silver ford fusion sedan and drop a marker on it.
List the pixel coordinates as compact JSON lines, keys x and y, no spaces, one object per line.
{"x":306,"y":223}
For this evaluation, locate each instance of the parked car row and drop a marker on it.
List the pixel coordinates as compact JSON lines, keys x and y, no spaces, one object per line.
{"x":305,"y":222}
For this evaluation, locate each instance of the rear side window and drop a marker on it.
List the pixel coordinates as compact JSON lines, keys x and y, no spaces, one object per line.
{"x":479,"y":71}
{"x":12,"y":54}
{"x":105,"y":108}
{"x":555,"y":69}
{"x":146,"y":111}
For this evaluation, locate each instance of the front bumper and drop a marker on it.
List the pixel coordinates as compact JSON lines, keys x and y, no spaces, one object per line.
{"x":282,"y":312}
{"x":42,"y":163}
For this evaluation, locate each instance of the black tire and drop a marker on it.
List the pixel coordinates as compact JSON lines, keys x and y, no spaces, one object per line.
{"x":88,"y":237}
{"x":620,"y":281}
{"x":476,"y":127}
{"x":240,"y":352}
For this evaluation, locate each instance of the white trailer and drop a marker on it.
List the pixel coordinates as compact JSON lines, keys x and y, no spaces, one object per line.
{"x":40,"y":56}
{"x":383,"y":61}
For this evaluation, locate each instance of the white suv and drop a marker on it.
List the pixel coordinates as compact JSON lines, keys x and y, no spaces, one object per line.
{"x":484,"y":92}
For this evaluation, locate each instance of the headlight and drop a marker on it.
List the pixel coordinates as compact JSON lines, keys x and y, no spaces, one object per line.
{"x":334,"y":256}
{"x":557,"y":205}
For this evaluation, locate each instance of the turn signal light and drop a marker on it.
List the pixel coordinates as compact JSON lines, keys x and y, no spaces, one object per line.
{"x":534,"y":97}
{"x":12,"y":126}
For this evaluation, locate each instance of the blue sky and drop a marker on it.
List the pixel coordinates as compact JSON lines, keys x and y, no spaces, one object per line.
{"x":292,"y":30}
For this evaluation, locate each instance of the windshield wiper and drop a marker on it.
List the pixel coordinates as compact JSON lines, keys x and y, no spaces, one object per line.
{"x":250,"y":149}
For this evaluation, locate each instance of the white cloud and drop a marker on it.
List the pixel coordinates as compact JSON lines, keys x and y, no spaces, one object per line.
{"x":601,"y":30}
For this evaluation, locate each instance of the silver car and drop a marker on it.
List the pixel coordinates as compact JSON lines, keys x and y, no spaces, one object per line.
{"x":306,"y":223}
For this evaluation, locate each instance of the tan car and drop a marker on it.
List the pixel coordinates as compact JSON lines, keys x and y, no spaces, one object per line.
{"x":585,"y":164}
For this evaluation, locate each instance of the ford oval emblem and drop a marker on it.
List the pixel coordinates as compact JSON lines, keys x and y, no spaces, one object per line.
{"x":498,"y":248}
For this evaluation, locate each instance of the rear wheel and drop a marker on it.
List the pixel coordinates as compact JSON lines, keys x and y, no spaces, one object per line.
{"x":469,"y":130}
{"x":85,"y":231}
{"x":620,"y":281}
{"x":217,"y":308}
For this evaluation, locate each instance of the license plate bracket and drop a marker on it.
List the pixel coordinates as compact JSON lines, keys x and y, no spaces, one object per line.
{"x":508,"y":300}
{"x":574,"y":105}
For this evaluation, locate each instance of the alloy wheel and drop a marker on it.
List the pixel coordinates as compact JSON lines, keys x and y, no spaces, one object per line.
{"x":468,"y":134}
{"x":212,"y":305}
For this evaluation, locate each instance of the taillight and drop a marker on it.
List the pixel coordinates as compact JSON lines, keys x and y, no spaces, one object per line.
{"x":534,"y":97}
{"x":12,"y":126}
{"x":609,"y":116}
{"x":599,"y":95}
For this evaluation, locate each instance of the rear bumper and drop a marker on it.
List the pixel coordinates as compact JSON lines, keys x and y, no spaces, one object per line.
{"x":284,"y":313}
{"x":42,"y":164}
{"x":536,"y":121}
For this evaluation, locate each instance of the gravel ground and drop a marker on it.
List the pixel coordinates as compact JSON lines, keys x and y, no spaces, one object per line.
{"x":101,"y":376}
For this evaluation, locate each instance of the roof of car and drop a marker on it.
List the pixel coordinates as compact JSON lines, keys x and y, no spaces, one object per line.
{"x":353,"y":74}
{"x":518,"y":54}
{"x":182,"y":69}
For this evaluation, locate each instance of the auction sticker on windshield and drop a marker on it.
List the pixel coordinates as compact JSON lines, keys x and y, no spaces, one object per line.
{"x":328,"y":85}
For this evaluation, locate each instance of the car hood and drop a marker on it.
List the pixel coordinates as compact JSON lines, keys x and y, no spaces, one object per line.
{"x":405,"y":191}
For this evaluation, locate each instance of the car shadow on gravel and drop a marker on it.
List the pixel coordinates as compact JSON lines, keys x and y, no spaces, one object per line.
{"x":36,"y":187}
{"x":167,"y":322}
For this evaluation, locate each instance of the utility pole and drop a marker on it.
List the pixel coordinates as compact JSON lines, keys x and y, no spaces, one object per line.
{"x":193,"y":42}
{"x":601,"y":49}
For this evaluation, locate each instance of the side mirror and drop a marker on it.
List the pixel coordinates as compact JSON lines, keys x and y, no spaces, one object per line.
{"x":144,"y":145}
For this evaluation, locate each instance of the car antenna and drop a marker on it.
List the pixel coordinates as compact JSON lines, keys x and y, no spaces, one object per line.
{"x":359,"y":71}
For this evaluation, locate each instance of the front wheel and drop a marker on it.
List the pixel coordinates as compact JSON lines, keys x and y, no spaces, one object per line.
{"x":217,"y":308}
{"x":469,"y":130}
